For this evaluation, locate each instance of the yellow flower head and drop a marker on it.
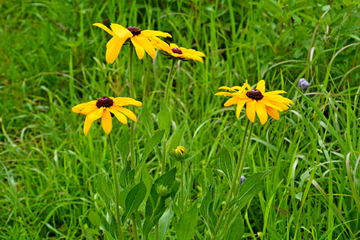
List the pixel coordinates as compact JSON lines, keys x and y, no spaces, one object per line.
{"x":104,"y":108}
{"x":179,"y":52}
{"x":256,"y":100}
{"x":179,"y":150}
{"x":142,"y":40}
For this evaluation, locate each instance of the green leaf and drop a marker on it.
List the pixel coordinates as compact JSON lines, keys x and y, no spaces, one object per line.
{"x":225,"y":163}
{"x":151,"y":143}
{"x":146,"y":119}
{"x":94,"y":218}
{"x":126,"y":176}
{"x":164,"y":223}
{"x":207,"y":209}
{"x":236,"y":229}
{"x":176,"y":138}
{"x":147,"y":180}
{"x":229,"y":146}
{"x":185,"y":229}
{"x":251,"y":187}
{"x":133,"y":199}
{"x":167,"y":179}
{"x":164,"y":118}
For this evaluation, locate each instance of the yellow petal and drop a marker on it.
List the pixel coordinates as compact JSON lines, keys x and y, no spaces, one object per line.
{"x":138,"y":48}
{"x":123,"y":101}
{"x":106,"y":121}
{"x":121,"y":117}
{"x":88,"y":110}
{"x":261,"y":86}
{"x":152,"y":33}
{"x":103,"y":27}
{"x":250,"y":110}
{"x":146,"y":44}
{"x":273,"y":93}
{"x":268,"y":104}
{"x":173,"y":45}
{"x":126,"y":112}
{"x":120,"y":31}
{"x":261,"y":112}
{"x":240,"y":105}
{"x":273,"y":113}
{"x":90,"y":118}
{"x":114,"y":50}
{"x":226,"y":88}
{"x":111,"y":42}
{"x":231,"y":101}
{"x":225,"y":94}
{"x":79,"y":107}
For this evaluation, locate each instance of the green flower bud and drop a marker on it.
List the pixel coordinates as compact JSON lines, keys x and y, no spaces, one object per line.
{"x":162,"y":190}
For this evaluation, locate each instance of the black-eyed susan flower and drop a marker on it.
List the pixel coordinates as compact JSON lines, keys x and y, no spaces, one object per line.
{"x":142,"y":40}
{"x":104,"y":108}
{"x":174,"y":51}
{"x":257,"y":101}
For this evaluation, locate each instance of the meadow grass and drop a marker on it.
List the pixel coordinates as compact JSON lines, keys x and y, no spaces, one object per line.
{"x":52,"y":58}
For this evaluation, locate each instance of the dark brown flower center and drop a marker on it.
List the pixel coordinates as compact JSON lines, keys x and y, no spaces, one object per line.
{"x":255,"y":94}
{"x":176,"y":50}
{"x":134,"y":30}
{"x":104,"y":102}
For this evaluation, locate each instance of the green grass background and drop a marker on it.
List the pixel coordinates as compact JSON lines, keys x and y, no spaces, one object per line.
{"x":52,"y":58}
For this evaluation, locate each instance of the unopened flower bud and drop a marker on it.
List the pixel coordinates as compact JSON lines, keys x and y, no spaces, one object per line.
{"x":242,"y":179}
{"x":179,"y":154}
{"x":162,"y":190}
{"x":303,"y":84}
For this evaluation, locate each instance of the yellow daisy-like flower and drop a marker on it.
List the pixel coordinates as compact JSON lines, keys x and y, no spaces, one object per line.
{"x":256,"y":100}
{"x":181,"y":53}
{"x":104,"y":108}
{"x":142,"y":40}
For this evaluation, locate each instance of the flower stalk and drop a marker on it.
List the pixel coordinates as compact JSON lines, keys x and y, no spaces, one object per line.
{"x":116,"y":186}
{"x":133,"y":95}
{"x":168,"y":82}
{"x":237,"y":174}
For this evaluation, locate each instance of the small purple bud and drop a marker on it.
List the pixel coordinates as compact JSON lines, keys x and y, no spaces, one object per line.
{"x":242,"y":179}
{"x":303,"y":84}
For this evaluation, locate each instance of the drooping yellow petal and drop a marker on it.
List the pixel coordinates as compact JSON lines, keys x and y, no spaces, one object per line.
{"x":152,"y":33}
{"x":121,"y":117}
{"x":111,"y":42}
{"x":273,"y":113}
{"x":173,"y":45}
{"x":114,"y":50}
{"x":138,"y":48}
{"x":250,"y":110}
{"x":146,"y":44}
{"x":261,"y":112}
{"x":240,"y":105}
{"x":102,"y":26}
{"x":268,"y":104}
{"x":106,"y":121}
{"x":91,"y":118}
{"x":227,"y":88}
{"x":126,"y":112}
{"x":261,"y":86}
{"x":120,"y":31}
{"x":123,"y":101}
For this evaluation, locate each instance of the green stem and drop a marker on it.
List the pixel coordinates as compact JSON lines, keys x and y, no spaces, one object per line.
{"x":116,"y":186}
{"x":233,"y":183}
{"x":168,"y":82}
{"x":134,"y":227}
{"x":163,"y":160}
{"x":133,"y":95}
{"x":182,"y":187}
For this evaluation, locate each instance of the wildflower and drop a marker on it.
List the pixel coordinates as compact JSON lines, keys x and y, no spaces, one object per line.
{"x":242,"y":180}
{"x":174,"y":51}
{"x":256,"y":100}
{"x":303,"y":84}
{"x":142,"y":40}
{"x":104,"y":108}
